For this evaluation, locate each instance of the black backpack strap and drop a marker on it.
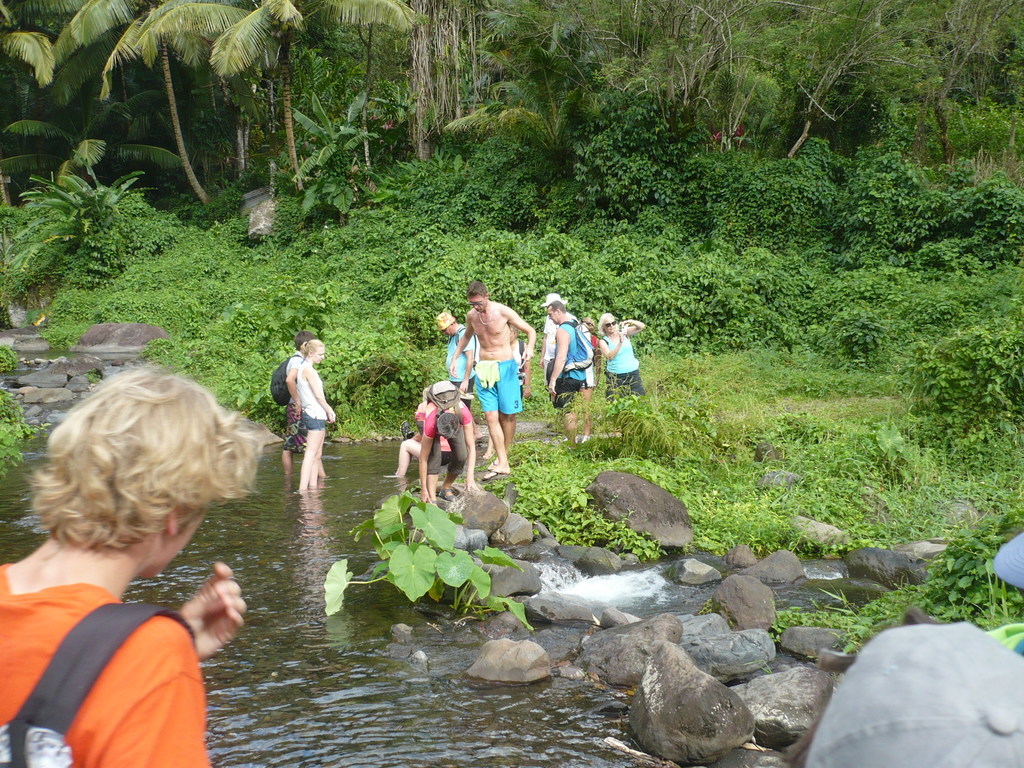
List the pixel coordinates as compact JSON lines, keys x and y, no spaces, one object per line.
{"x":76,"y":665}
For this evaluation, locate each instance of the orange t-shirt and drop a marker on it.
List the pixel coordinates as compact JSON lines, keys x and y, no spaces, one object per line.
{"x":148,"y":707}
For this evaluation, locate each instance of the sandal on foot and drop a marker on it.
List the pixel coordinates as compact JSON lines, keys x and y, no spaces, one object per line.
{"x":446,"y":494}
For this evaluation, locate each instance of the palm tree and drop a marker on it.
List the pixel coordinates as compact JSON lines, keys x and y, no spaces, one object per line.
{"x":72,"y":134}
{"x":149,"y":32}
{"x":270,"y":31}
{"x":24,"y":45}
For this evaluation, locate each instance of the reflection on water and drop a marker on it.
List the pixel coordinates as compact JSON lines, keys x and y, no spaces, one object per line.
{"x":298,"y":689}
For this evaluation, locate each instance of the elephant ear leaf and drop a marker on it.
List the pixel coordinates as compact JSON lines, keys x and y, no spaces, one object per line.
{"x":337,"y":581}
{"x":412,"y":570}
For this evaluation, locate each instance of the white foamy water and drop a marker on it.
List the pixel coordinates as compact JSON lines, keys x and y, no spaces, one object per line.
{"x":629,"y":588}
{"x":824,"y":569}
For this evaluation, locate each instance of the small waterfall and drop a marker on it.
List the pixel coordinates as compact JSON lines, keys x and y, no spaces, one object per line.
{"x":630,"y":588}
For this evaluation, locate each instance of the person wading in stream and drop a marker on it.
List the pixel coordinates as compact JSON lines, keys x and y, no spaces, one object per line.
{"x":130,"y":473}
{"x":498,"y":388}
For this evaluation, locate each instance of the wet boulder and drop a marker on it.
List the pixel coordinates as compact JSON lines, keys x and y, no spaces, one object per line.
{"x":808,"y":642}
{"x":782,"y":567}
{"x":44,"y":379}
{"x":469,"y":539}
{"x":730,"y":655}
{"x":118,"y":338}
{"x":562,"y":609}
{"x":514,"y":532}
{"x":785,"y":704}
{"x":740,"y":556}
{"x":705,"y":624}
{"x":511,"y":661}
{"x":893,"y":569}
{"x":507,"y":581}
{"x":34,"y":395}
{"x":613,"y":617}
{"x":644,"y":506}
{"x":925,"y":550}
{"x":24,"y":339}
{"x":684,"y":715}
{"x":481,"y":510}
{"x":77,"y":366}
{"x":618,"y":655}
{"x":691,"y":572}
{"x":745,"y":602}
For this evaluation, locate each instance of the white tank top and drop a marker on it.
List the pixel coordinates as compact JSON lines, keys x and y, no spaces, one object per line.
{"x":309,"y":402}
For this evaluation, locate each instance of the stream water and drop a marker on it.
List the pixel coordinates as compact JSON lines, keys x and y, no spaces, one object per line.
{"x":297,"y":688}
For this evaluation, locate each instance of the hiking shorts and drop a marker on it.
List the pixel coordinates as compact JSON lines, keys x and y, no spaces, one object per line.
{"x":455,"y":459}
{"x":622,"y":384}
{"x":566,"y":389}
{"x":507,"y":395}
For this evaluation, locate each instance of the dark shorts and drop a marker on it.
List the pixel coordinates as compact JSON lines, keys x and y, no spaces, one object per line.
{"x":314,"y":425}
{"x":566,"y":389}
{"x":455,"y":459}
{"x":622,"y":384}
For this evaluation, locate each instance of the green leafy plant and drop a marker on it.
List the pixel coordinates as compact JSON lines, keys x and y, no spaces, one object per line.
{"x":8,"y":359}
{"x":416,"y":543}
{"x":13,"y":430}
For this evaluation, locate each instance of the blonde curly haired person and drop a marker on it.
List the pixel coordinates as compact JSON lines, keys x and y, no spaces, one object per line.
{"x":130,"y":474}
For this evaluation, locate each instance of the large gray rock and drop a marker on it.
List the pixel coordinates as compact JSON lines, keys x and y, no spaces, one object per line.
{"x":482,"y":510}
{"x":740,"y":556}
{"x":823,"y":533}
{"x":618,"y":655}
{"x":745,"y":602}
{"x":728,"y":656}
{"x":43,"y":379}
{"x":782,"y":567}
{"x":705,"y":624}
{"x":925,"y":550}
{"x":893,"y":569}
{"x":261,"y":219}
{"x":507,"y":581}
{"x":809,"y":641}
{"x":48,"y":396}
{"x":692,"y":572}
{"x":25,"y":339}
{"x":644,"y":506}
{"x":118,"y":338}
{"x":514,"y":532}
{"x":765,"y":451}
{"x":469,"y":539}
{"x":778,"y":478}
{"x":597,"y":561}
{"x":77,"y":366}
{"x":786,"y":703}
{"x":613,"y":617}
{"x":563,"y":609}
{"x":78,"y":384}
{"x":511,"y":661}
{"x":684,"y":715}
{"x":262,"y":434}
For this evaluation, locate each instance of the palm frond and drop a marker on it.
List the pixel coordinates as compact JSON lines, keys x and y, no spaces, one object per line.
{"x":242,"y":44}
{"x":125,"y":49}
{"x":79,"y":67}
{"x":89,"y":152}
{"x":393,"y":13}
{"x":207,"y":19}
{"x":147,"y":153}
{"x":96,"y":17}
{"x":284,"y":12}
{"x":34,"y":49}
{"x":38,"y":128}
{"x":29,"y":163}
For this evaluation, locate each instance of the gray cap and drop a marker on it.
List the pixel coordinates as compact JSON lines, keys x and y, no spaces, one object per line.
{"x":926,"y":696}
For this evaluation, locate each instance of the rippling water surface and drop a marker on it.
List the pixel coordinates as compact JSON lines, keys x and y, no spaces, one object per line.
{"x":298,"y":689}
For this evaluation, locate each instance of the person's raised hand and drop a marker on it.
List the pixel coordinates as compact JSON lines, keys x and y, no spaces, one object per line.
{"x":215,"y":613}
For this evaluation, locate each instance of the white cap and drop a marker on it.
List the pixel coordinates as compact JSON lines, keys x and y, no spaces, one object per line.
{"x":552,"y":297}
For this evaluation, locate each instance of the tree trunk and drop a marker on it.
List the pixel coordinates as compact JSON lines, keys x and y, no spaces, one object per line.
{"x":286,"y":95}
{"x":179,"y":138}
{"x":420,"y":79}
{"x":5,"y":190}
{"x":367,"y":82}
{"x":942,"y":118}
{"x":800,"y":142}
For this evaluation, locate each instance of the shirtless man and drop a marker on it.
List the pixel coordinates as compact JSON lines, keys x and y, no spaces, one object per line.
{"x":497,"y":373}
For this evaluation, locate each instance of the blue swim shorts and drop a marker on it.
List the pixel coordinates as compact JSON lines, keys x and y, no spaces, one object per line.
{"x":507,"y":395}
